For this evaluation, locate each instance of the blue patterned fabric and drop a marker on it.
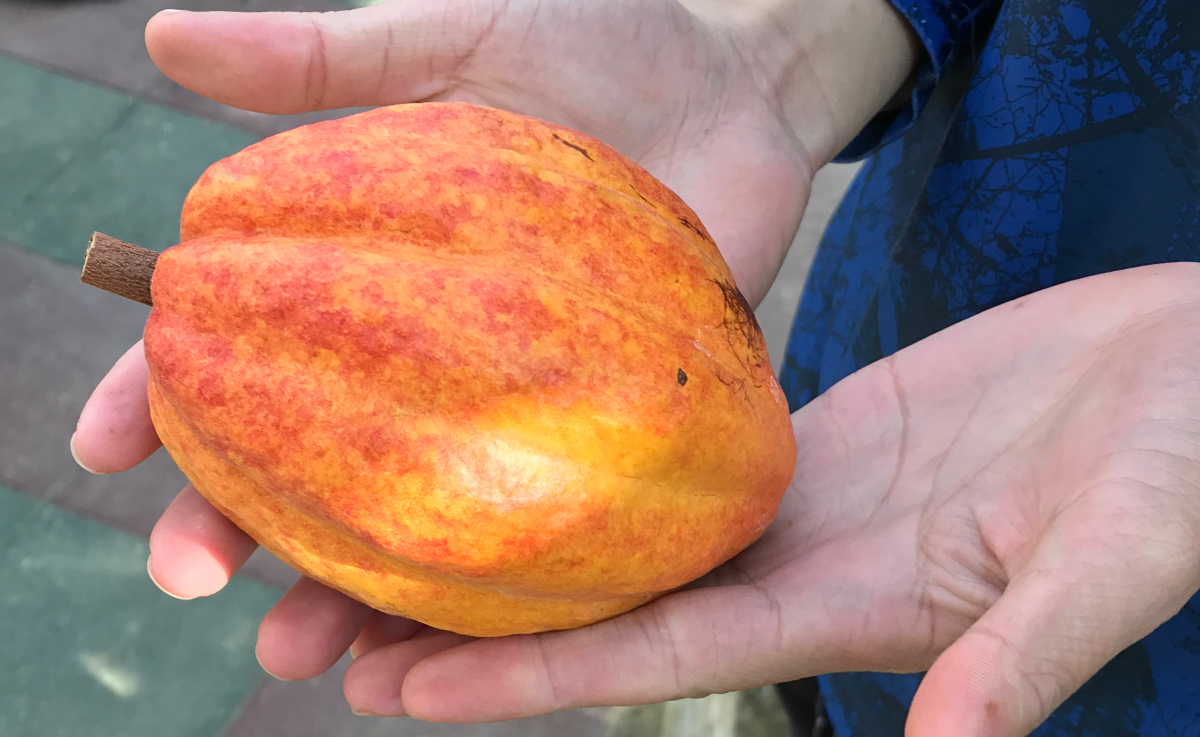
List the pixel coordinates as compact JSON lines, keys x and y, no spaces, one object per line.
{"x":1062,"y":144}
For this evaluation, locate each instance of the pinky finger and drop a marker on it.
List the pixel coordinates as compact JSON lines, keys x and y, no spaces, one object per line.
{"x":373,"y":682}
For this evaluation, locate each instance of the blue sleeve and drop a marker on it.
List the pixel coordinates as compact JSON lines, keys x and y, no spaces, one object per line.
{"x":949,"y":30}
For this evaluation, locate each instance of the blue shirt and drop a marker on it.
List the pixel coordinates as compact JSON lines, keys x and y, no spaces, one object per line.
{"x":1046,"y":140}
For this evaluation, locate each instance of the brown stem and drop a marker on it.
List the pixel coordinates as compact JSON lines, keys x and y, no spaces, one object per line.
{"x":119,"y":267}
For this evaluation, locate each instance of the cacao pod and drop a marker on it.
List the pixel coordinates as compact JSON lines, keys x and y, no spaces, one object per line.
{"x":466,"y":367}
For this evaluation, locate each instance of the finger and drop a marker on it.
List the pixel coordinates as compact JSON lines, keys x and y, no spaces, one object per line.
{"x":194,"y":549}
{"x":373,"y":682}
{"x":1052,"y":629}
{"x":843,"y":607}
{"x":687,"y":644}
{"x":383,"y":629}
{"x":296,"y":62}
{"x":114,"y":432}
{"x":306,"y":632}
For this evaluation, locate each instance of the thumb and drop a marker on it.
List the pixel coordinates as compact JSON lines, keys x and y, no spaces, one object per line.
{"x":1057,"y":623}
{"x":296,"y":62}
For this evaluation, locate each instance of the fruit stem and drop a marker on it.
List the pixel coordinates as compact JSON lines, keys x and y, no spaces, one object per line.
{"x":119,"y":267}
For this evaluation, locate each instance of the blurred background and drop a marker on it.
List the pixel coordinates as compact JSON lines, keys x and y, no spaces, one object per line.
{"x":93,"y":137}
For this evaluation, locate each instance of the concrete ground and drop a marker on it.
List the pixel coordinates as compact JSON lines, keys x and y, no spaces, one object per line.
{"x":92,"y":137}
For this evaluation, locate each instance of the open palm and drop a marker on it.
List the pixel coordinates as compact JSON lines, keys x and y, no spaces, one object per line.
{"x":1012,"y":501}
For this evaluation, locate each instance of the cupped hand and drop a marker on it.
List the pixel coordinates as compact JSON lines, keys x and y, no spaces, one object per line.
{"x":679,"y":92}
{"x":692,"y":94}
{"x":682,"y":93}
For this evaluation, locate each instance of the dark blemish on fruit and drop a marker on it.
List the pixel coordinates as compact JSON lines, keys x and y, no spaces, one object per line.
{"x":568,"y":144}
{"x":743,"y":334}
{"x":692,"y":227}
{"x":681,"y":377}
{"x":641,"y":196}
{"x":739,"y":316}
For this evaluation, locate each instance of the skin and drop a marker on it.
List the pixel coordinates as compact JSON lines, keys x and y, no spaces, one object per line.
{"x":1008,"y":503}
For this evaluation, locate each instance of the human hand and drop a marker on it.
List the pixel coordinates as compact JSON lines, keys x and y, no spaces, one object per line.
{"x":732,"y":105}
{"x":1009,"y":503}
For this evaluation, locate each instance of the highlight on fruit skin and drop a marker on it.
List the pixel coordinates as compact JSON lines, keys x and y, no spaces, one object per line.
{"x":467,"y":367}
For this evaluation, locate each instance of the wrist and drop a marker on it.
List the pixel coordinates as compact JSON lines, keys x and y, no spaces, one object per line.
{"x":827,"y":66}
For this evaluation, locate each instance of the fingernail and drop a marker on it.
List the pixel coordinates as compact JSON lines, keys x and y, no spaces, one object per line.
{"x":170,"y":11}
{"x":358,"y":713}
{"x":81,"y":463}
{"x":160,"y":586}
{"x":266,"y":670}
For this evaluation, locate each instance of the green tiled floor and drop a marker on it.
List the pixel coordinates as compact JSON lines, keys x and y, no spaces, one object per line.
{"x":76,"y":158}
{"x":88,"y":645}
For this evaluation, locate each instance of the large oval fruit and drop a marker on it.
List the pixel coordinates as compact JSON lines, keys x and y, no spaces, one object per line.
{"x":467,"y":367}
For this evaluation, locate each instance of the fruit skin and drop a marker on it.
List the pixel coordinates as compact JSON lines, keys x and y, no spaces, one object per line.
{"x":467,"y":367}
